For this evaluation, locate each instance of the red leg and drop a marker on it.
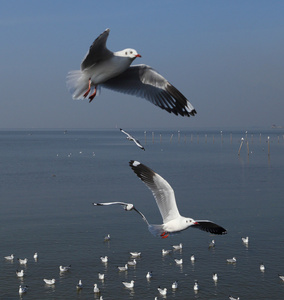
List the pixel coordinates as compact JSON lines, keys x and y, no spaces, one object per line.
{"x":88,"y":90}
{"x":164,"y":235}
{"x":93,"y":95}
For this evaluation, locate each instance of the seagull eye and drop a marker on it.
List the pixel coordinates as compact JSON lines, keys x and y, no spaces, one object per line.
{"x":126,"y":53}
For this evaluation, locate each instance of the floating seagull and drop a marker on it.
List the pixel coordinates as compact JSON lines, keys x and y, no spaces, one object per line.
{"x":175,"y":285}
{"x":281,"y":277}
{"x":149,"y":275}
{"x":212,"y":244}
{"x":245,"y":240}
{"x":104,"y":259}
{"x":64,"y":269}
{"x":163,"y":292}
{"x":104,"y":68}
{"x":131,"y":138}
{"x":179,"y":261}
{"x":23,"y":289}
{"x":20,"y":273}
{"x":125,"y":268}
{"x":135,"y":254}
{"x":196,"y":286}
{"x":165,"y":252}
{"x":262,"y":267}
{"x":96,"y":289}
{"x":163,"y":193}
{"x":132,"y":262}
{"x":22,"y":261}
{"x":128,"y":285}
{"x":49,"y":281}
{"x":192,"y":258}
{"x":9,"y":257}
{"x":232,"y":298}
{"x":215,"y":277}
{"x":126,"y":206}
{"x":101,"y":276}
{"x":79,"y":286}
{"x":232,"y":260}
{"x":177,"y":247}
{"x":107,"y":238}
{"x":35,"y":256}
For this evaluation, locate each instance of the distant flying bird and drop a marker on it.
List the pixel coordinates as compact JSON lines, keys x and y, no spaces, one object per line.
{"x":35,"y":256}
{"x":104,"y":68}
{"x":126,"y":206}
{"x":192,"y":258}
{"x":165,"y":198}
{"x":131,"y":138}
{"x":215,"y":277}
{"x":245,"y":240}
{"x":101,"y":276}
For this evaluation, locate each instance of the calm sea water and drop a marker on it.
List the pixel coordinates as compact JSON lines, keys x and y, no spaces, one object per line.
{"x":48,"y":181}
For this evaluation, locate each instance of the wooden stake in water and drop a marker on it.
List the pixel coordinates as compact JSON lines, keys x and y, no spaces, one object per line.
{"x":231,"y":138}
{"x":268,"y":141}
{"x":248,"y":147}
{"x":145,"y":132}
{"x":221,"y":136}
{"x":260,"y":138}
{"x":153,"y":137}
{"x":242,"y":141}
{"x":160,"y":138}
{"x":205,"y":138}
{"x":171,"y":138}
{"x":178,"y":136}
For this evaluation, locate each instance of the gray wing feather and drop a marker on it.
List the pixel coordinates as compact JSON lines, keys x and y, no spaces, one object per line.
{"x":144,"y":82}
{"x":97,"y":52}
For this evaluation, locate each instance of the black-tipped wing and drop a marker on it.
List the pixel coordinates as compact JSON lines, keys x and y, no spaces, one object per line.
{"x":144,"y":82}
{"x":209,"y":226}
{"x":110,"y":203}
{"x":162,"y":191}
{"x":131,"y":138}
{"x":98,"y":51}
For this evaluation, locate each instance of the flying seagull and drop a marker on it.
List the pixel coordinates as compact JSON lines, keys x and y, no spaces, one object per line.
{"x":131,"y":138}
{"x":104,"y":68}
{"x":126,"y":206}
{"x":164,"y":195}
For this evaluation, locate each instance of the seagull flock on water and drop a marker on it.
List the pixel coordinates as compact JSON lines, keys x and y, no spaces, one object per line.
{"x":113,"y":70}
{"x":132,"y":264}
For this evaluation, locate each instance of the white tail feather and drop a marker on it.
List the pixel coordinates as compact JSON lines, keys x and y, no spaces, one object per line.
{"x":156,"y":230}
{"x":77,"y":84}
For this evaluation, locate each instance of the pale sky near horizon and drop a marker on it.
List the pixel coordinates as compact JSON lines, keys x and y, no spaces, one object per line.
{"x":225,"y":56}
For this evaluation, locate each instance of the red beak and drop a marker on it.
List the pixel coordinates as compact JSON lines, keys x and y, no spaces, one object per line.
{"x":138,"y":55}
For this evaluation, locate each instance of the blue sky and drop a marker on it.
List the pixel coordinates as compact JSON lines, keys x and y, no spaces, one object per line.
{"x":225,"y":56}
